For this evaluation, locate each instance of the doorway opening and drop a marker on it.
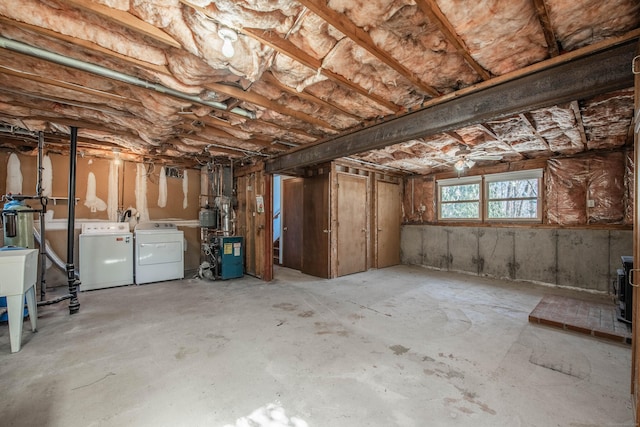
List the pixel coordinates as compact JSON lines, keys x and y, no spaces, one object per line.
{"x":287,"y":221}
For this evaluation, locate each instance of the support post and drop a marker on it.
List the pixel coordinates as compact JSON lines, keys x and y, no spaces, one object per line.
{"x":74,"y":305}
{"x":43,"y":202}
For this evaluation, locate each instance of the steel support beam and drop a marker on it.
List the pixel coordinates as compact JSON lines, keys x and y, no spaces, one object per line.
{"x":584,"y":77}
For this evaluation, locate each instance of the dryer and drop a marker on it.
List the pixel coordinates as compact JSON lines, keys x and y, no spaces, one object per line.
{"x":159,"y":252}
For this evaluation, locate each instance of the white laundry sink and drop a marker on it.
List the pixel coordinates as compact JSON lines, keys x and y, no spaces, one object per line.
{"x":18,"y":275}
{"x":18,"y":270}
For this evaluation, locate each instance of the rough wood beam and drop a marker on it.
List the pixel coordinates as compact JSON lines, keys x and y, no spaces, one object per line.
{"x":529,"y":124}
{"x":218,"y":145}
{"x":267,"y":77}
{"x":579,"y":123}
{"x":265,"y":102}
{"x":196,"y":132}
{"x":457,"y":137}
{"x":539,"y":66}
{"x":435,"y":15}
{"x":209,"y":122}
{"x":487,"y":130}
{"x":545,"y":21}
{"x":363,"y":39}
{"x":92,"y":47}
{"x":80,"y":124}
{"x":66,"y":85}
{"x":587,"y":76}
{"x":193,"y":129}
{"x":223,"y":122}
{"x":126,"y":20}
{"x":287,"y":48}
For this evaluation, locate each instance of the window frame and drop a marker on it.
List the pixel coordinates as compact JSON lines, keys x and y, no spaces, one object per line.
{"x":452,"y":182}
{"x":483,"y":181}
{"x":514,"y":176}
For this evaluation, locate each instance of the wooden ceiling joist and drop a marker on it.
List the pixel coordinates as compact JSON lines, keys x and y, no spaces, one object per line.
{"x":431,"y":9}
{"x":529,"y":124}
{"x":287,"y":48}
{"x":94,"y":48}
{"x":592,"y":74}
{"x":269,"y":78}
{"x":547,"y":28}
{"x":126,"y":20}
{"x":575,"y":107}
{"x":363,"y":39}
{"x":254,"y":98}
{"x":66,"y":85}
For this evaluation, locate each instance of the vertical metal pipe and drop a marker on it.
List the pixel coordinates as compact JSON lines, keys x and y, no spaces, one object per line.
{"x":74,"y":305}
{"x":43,"y":202}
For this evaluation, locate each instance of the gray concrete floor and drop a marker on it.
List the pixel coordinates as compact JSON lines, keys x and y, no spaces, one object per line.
{"x":402,"y":346}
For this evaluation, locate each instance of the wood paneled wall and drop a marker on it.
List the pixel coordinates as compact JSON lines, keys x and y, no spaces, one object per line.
{"x":254,"y":225}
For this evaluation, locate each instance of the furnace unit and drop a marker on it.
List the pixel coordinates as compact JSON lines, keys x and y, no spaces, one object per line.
{"x":224,"y":258}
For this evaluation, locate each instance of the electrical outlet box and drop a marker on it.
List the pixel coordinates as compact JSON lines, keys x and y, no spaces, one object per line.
{"x":591,"y":203}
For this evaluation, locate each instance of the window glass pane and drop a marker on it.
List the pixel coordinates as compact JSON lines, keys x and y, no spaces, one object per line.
{"x":460,"y":210}
{"x":454,"y":193}
{"x":513,"y":209}
{"x":513,"y":189}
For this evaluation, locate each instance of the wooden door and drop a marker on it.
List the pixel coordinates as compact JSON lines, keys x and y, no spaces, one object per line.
{"x":291,"y":241}
{"x":351,"y":224}
{"x":388,"y":219}
{"x":315,"y":227}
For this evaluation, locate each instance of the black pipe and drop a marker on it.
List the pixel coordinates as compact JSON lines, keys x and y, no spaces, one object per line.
{"x":74,"y":305}
{"x":43,"y":249}
{"x":55,"y":301}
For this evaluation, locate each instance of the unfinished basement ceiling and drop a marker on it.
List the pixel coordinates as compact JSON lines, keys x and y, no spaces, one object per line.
{"x":150,"y":78}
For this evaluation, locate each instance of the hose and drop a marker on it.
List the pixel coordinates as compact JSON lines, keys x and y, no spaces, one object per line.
{"x":51,"y":254}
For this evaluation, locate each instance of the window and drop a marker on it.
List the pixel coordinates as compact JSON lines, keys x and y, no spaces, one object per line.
{"x":511,"y":196}
{"x":459,"y":198}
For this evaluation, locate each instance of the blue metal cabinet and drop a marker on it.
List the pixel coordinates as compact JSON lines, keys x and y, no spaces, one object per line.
{"x":232,"y":256}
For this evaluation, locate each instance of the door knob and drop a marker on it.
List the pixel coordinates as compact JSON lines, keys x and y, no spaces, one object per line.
{"x":285,"y":228}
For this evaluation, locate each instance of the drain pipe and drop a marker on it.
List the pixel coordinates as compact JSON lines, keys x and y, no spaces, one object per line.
{"x":115,"y":75}
{"x":43,"y":202}
{"x":74,"y":305}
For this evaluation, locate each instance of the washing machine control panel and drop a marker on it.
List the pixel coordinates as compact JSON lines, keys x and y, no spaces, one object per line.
{"x":156,"y":226}
{"x":105,"y":227}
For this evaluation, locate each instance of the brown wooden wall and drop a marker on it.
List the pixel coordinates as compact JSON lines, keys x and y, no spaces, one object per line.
{"x":256,"y":227}
{"x":322,"y":184}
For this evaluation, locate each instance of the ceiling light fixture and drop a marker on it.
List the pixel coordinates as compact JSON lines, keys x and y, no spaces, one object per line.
{"x":463,"y":164}
{"x":228,"y":36}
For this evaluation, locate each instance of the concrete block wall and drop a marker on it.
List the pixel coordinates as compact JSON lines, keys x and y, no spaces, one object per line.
{"x":577,"y":258}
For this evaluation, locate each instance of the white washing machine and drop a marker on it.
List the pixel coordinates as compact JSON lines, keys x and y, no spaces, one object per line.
{"x":105,"y":255}
{"x":159,"y":252}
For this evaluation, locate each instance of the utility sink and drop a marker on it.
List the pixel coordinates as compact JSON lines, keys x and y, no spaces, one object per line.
{"x":18,"y":276}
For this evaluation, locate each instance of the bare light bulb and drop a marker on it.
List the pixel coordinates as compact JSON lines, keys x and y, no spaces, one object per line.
{"x":227,"y":49}
{"x":228,"y":36}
